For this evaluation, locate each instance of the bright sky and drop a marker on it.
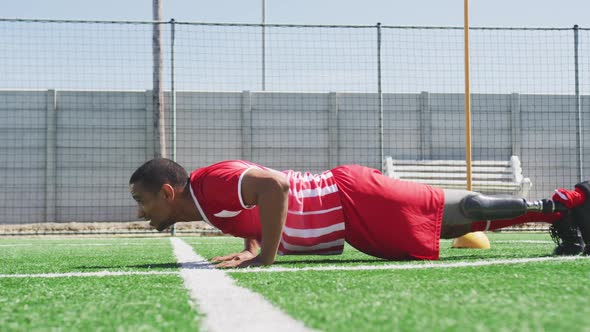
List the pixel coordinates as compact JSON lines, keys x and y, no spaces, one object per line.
{"x":536,"y":62}
{"x":527,"y":13}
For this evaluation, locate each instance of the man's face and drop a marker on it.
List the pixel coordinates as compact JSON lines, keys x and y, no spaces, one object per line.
{"x":155,"y":207}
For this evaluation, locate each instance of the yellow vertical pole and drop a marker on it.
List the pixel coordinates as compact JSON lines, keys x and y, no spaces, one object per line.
{"x":476,"y":240}
{"x":467,"y":95}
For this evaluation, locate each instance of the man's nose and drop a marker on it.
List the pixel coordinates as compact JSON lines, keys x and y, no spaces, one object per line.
{"x":140,"y":213}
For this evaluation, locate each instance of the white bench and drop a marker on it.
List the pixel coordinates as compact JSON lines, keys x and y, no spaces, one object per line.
{"x":488,"y":177}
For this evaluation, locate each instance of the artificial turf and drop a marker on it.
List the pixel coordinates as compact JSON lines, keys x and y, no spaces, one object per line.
{"x":122,"y":303}
{"x":536,"y":296}
{"x":532,"y":297}
{"x":85,"y":255}
{"x":109,"y":303}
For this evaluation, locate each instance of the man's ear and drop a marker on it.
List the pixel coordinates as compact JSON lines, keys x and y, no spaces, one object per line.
{"x":168,"y":191}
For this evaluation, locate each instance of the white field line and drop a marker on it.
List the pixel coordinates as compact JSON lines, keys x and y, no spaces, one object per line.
{"x":226,"y":306}
{"x":88,"y":274}
{"x":205,"y":265}
{"x":73,"y":244}
{"x":492,"y":241}
{"x":411,"y":266}
{"x":215,"y":243}
{"x":222,"y":237}
{"x":521,"y":241}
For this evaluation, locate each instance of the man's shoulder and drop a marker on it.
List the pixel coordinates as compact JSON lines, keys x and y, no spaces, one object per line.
{"x":232,"y":163}
{"x":223,"y":168}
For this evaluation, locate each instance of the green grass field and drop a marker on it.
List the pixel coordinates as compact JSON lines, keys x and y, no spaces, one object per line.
{"x":52,"y":284}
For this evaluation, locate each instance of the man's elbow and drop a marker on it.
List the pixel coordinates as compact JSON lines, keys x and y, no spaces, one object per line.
{"x":282,"y":184}
{"x":275,"y":184}
{"x":273,"y":188}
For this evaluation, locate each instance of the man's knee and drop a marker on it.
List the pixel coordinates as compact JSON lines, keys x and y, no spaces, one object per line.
{"x":454,"y":231}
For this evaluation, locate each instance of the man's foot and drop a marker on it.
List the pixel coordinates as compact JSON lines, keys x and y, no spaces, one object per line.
{"x":565,"y":234}
{"x":581,"y":215}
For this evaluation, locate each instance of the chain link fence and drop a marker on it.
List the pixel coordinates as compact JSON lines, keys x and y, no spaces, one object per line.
{"x":77,"y":117}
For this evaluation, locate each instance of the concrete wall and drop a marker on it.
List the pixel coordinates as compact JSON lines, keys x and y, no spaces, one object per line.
{"x":68,"y":155}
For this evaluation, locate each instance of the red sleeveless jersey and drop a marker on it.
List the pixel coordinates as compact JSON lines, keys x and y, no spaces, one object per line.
{"x":314,"y":224}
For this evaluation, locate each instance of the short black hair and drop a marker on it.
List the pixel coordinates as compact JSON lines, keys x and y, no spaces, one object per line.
{"x":158,"y":171}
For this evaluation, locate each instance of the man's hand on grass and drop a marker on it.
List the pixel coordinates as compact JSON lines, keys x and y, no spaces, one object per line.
{"x":238,"y":260}
{"x":239,"y":256}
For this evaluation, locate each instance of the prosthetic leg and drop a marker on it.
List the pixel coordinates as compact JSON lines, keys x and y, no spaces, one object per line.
{"x":483,"y":207}
{"x":516,"y":210}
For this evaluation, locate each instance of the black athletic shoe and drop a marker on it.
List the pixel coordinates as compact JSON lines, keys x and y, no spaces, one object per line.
{"x":581,"y":215}
{"x":565,"y":234}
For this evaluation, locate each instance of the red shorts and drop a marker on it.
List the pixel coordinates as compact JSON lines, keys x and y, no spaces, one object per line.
{"x":388,"y":218}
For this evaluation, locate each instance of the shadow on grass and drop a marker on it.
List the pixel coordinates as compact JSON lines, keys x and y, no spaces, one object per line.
{"x":476,"y":257}
{"x":138,"y":266}
{"x":201,"y":265}
{"x":205,"y":265}
{"x":328,"y":261}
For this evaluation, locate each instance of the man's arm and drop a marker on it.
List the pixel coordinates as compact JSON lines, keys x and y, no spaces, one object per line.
{"x":269,"y":191}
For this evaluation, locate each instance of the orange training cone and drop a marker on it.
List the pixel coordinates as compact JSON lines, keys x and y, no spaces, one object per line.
{"x":474,"y":240}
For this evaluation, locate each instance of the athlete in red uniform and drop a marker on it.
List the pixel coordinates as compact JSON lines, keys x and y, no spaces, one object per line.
{"x":301,"y":213}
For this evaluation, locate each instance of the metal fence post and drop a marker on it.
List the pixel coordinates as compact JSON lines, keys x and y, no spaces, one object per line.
{"x":246,"y":125}
{"x":157,"y":81}
{"x":425,"y":126}
{"x":173,"y":100}
{"x":379,"y":95}
{"x":173,"y":88}
{"x":263,"y":37}
{"x":51,"y":157}
{"x":515,"y":124}
{"x":333,"y":131}
{"x":578,"y":106}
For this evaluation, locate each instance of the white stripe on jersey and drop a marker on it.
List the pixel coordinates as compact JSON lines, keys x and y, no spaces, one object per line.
{"x":199,"y":206}
{"x":324,"y":245}
{"x":304,"y":213}
{"x":313,"y":232}
{"x":315,"y":192}
{"x":315,"y":208}
{"x":240,"y":189}
{"x":312,"y":177}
